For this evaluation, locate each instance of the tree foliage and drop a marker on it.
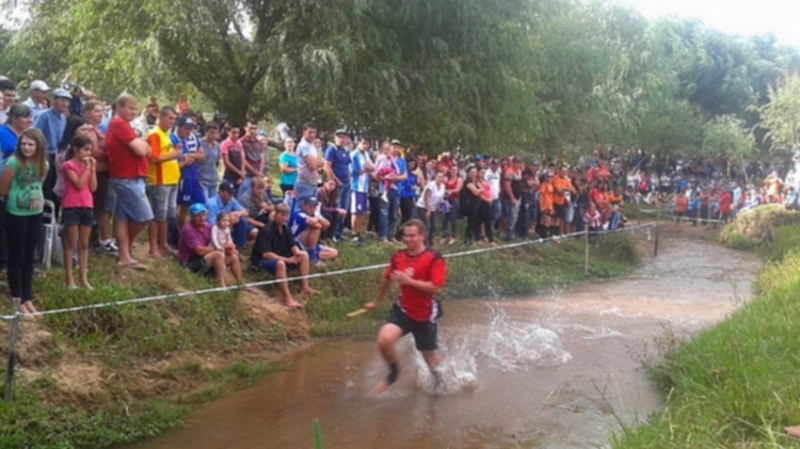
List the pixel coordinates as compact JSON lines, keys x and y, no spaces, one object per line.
{"x":557,"y":75}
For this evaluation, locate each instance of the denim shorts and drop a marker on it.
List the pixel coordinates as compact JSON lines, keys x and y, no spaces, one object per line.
{"x":163,"y":201}
{"x":78,"y":216}
{"x":132,"y":204}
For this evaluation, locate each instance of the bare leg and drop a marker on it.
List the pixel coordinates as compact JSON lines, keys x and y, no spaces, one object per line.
{"x":70,"y":234}
{"x":182,"y":211}
{"x":216,"y":260}
{"x":84,"y":232}
{"x":152,"y":239}
{"x":123,"y":242}
{"x":283,"y":287}
{"x":102,"y":225}
{"x":134,"y":229}
{"x":304,"y":270}
{"x":387,"y":337}
{"x":163,"y":229}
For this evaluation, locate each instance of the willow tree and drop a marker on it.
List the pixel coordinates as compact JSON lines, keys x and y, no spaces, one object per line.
{"x":781,"y":116}
{"x":425,"y":70}
{"x":728,"y":135}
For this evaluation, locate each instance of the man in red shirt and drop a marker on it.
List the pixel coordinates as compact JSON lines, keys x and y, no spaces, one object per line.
{"x":725,"y":201}
{"x":420,"y":273}
{"x":128,"y":162}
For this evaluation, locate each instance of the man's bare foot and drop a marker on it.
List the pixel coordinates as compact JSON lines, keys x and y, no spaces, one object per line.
{"x":308,"y":291}
{"x":251,"y":290}
{"x":292,"y":304}
{"x":166,"y":251}
{"x":380,"y":388}
{"x":155,"y":255}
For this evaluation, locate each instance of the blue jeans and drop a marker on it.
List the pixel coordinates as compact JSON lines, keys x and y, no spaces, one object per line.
{"x":245,"y":187}
{"x":388,"y":215}
{"x":496,"y":211}
{"x":510,"y":212}
{"x":239,"y":233}
{"x":210,"y":191}
{"x":344,"y":203}
{"x":304,"y":191}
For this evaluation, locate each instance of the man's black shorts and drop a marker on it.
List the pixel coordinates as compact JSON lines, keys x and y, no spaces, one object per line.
{"x":561,"y":211}
{"x":197,"y":264}
{"x":424,"y":332}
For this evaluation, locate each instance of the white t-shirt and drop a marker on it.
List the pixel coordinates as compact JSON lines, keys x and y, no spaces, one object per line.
{"x":220,"y":237}
{"x":361,"y":160}
{"x":304,"y":174}
{"x":493,"y":178}
{"x":437,"y":196}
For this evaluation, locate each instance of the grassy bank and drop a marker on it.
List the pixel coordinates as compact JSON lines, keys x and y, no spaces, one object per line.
{"x":109,"y":376}
{"x":736,"y":385}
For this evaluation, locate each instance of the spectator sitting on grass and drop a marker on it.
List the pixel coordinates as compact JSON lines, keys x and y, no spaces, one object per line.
{"x":276,"y":252}
{"x":197,"y":253}
{"x":307,"y":226}
{"x":258,"y":205}
{"x":225,"y":202}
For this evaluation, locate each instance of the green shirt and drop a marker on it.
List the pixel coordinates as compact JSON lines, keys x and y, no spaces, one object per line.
{"x":25,"y":197}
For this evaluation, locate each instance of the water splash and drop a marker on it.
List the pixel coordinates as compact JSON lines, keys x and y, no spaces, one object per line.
{"x":503,"y":344}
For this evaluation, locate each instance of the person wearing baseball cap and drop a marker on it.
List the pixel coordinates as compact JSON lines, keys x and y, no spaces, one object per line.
{"x":307,"y":226}
{"x":196,"y":251}
{"x":38,"y":99}
{"x":225,"y":202}
{"x":192,"y":155}
{"x":337,"y":166}
{"x":52,"y":123}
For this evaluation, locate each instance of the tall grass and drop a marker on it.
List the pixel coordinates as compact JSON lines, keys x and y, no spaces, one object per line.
{"x":735,"y":385}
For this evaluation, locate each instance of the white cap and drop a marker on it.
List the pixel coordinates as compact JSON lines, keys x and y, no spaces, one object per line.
{"x":62,"y":93}
{"x":40,"y":85}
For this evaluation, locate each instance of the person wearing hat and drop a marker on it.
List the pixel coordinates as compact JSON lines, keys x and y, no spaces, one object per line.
{"x":197,"y":254}
{"x":307,"y":226}
{"x":276,"y":252}
{"x":337,"y":167}
{"x":225,"y":202}
{"x":192,"y":156}
{"x":162,"y":182}
{"x":52,"y":123}
{"x":38,"y":99}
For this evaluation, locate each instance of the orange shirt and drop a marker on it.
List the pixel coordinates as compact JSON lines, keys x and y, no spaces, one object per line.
{"x":560,"y":183}
{"x":614,"y":199}
{"x":681,"y":203}
{"x":546,"y":194}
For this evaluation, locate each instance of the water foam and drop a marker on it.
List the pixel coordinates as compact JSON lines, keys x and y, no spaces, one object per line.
{"x":503,"y":344}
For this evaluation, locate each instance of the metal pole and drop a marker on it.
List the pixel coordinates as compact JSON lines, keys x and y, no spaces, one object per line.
{"x":640,"y":217}
{"x":655,"y":245}
{"x":586,"y":251}
{"x":12,"y":352}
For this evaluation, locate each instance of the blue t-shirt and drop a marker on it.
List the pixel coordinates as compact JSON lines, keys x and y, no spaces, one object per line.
{"x":298,"y":222}
{"x":207,"y":173}
{"x":405,"y":187}
{"x":215,"y":206}
{"x":288,"y":179}
{"x":8,"y":141}
{"x":694,"y":204}
{"x":190,"y":146}
{"x":103,"y":127}
{"x":340,"y":163}
{"x":52,"y":125}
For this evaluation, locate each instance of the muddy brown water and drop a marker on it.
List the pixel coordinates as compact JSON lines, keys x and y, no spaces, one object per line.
{"x":556,"y":370}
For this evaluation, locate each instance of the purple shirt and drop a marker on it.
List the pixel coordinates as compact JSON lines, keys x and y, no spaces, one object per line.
{"x":192,"y":238}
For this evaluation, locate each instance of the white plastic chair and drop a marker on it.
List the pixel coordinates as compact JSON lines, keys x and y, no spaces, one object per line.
{"x":50,"y":230}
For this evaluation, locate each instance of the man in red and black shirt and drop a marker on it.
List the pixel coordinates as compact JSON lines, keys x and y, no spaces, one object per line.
{"x":420,"y":273}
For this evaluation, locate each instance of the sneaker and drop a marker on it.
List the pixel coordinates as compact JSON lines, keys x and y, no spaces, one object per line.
{"x":109,"y":246}
{"x":336,"y":239}
{"x":356,"y":238}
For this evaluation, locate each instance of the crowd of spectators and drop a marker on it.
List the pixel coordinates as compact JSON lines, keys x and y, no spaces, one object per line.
{"x":204,"y":194}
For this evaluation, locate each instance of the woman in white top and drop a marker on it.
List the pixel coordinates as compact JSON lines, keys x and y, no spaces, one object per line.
{"x":428,"y":205}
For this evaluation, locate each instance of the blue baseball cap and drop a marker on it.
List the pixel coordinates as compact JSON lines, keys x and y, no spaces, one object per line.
{"x":197,"y":209}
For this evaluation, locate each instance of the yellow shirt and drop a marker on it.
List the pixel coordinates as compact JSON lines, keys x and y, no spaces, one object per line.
{"x":166,"y":173}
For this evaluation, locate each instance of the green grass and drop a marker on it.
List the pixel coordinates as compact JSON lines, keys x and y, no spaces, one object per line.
{"x":737,"y":384}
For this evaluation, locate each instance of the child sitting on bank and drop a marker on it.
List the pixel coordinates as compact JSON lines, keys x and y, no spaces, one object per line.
{"x":221,"y":235}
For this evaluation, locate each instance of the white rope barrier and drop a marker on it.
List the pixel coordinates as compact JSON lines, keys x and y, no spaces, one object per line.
{"x":297,"y":278}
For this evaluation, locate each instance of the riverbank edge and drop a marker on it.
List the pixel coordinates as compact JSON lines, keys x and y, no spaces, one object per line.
{"x":735,"y":384}
{"x":146,"y":385}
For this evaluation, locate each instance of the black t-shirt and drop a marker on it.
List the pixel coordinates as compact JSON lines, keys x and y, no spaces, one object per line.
{"x":269,"y":240}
